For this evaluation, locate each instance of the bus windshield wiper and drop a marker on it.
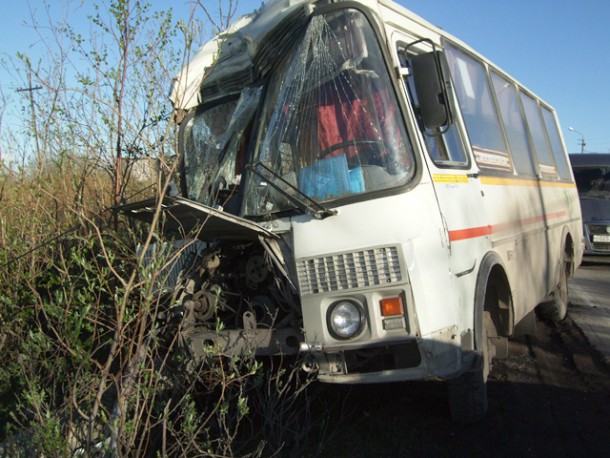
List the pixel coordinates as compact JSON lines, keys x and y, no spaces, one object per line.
{"x":301,"y":200}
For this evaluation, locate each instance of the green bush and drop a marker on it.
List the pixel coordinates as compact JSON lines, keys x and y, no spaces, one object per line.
{"x":92,"y":361}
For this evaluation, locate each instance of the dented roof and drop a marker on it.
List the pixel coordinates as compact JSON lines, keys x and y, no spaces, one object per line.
{"x":240,"y":54}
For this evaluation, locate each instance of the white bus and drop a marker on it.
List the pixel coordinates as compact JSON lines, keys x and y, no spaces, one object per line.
{"x":370,"y":193}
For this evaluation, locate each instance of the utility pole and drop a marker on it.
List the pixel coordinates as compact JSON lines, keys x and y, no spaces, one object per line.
{"x":31,"y":90}
{"x":582,"y":139}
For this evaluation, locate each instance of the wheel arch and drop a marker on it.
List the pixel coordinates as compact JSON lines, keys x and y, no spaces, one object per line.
{"x":568,"y":250}
{"x":555,"y":306}
{"x":493,"y":294}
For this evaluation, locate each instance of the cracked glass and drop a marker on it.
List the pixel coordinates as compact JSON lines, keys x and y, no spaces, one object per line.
{"x":331,"y":125}
{"x":214,"y":145}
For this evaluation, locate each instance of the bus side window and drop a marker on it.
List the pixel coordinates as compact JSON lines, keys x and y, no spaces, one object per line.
{"x":479,"y":112}
{"x":515,"y":125}
{"x":444,"y":144}
{"x":563,"y":169}
{"x":546,"y":161}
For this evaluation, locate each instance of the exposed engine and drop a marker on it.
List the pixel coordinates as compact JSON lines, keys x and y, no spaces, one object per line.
{"x":233,"y":295}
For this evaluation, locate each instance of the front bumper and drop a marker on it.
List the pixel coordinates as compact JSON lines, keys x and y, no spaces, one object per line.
{"x":438,"y":357}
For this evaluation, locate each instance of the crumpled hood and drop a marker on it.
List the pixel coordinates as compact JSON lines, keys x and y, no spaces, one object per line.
{"x":183,"y":216}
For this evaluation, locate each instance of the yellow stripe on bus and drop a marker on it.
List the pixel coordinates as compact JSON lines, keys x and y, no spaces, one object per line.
{"x":499,"y":181}
{"x":556,"y":184}
{"x":507,"y":181}
{"x":449,"y":179}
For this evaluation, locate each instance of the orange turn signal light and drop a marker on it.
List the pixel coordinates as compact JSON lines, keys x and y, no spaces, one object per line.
{"x":391,"y":306}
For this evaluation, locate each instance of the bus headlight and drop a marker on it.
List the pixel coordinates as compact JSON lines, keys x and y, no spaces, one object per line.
{"x":345,"y":319}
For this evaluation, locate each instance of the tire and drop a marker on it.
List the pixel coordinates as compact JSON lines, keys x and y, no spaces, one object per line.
{"x":468,"y":392}
{"x":556,"y":309}
{"x":468,"y":397}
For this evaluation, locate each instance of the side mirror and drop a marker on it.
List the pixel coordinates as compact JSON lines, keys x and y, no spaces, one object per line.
{"x":431,"y":89}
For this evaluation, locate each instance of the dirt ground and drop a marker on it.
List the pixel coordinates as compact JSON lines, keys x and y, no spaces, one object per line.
{"x":549,"y":398}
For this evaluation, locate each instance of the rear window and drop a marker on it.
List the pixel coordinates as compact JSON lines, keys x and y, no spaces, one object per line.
{"x":593,"y":181}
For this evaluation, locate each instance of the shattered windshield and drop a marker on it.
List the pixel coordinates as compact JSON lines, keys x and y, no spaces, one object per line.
{"x":214,"y":146}
{"x":331,"y":124}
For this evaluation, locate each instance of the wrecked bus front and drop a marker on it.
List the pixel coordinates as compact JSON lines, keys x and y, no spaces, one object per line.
{"x":284,"y":140}
{"x":365,"y":191}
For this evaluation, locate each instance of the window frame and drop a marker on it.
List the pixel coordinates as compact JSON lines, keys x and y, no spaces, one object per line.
{"x":516,"y":89}
{"x":544,"y":172}
{"x":393,"y":89}
{"x":509,"y":168}
{"x":408,"y":85}
{"x":563,"y":168}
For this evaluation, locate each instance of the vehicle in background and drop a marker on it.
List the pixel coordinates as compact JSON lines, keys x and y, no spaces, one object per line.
{"x":369,"y":192}
{"x":592,"y":175}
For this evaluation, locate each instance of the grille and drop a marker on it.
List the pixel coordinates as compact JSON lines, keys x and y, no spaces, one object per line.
{"x":599,"y":230}
{"x":343,"y":271}
{"x":600,"y":246}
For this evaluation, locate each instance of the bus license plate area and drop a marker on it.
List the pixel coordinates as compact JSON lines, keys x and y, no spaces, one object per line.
{"x":601,"y":238}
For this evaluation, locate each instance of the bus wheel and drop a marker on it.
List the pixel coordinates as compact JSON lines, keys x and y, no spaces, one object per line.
{"x":557,"y":308}
{"x":468,"y":392}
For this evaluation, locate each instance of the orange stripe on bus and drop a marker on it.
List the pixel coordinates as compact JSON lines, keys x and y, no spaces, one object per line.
{"x":470,"y":233}
{"x":474,"y":232}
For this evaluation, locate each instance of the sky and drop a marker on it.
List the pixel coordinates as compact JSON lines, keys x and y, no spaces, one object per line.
{"x":559,"y":49}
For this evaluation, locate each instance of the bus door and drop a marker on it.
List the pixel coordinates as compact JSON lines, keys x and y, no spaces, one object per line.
{"x":454,"y":175}
{"x":460,"y":197}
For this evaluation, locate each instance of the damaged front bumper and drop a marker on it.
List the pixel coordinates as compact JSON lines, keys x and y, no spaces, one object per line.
{"x":438,"y":357}
{"x":239,"y":342}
